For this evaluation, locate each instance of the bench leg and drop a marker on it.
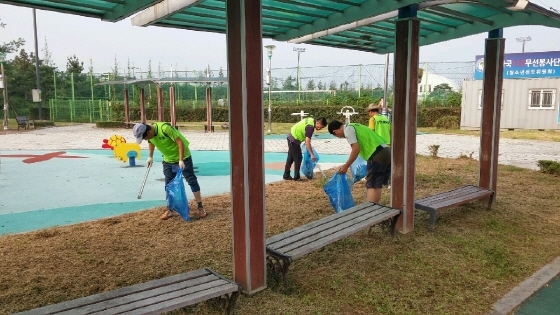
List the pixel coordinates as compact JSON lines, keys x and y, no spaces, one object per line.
{"x":490,"y":201}
{"x":227,"y":301}
{"x":433,"y":217}
{"x":279,"y":267}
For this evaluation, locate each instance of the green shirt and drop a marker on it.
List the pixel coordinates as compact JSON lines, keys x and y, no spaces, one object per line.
{"x":298,"y":130}
{"x":367,"y":139}
{"x":383,"y":128}
{"x":164,"y":141}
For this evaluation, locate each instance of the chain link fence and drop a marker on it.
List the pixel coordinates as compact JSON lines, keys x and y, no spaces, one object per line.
{"x":88,"y":97}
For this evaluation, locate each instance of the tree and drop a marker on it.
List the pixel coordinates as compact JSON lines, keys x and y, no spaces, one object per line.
{"x":47,"y":58}
{"x":74,"y":65}
{"x":320,"y":86}
{"x":310,"y":85}
{"x":444,"y":87}
{"x":289,"y":84}
{"x":11,"y":46}
{"x":332,"y":86}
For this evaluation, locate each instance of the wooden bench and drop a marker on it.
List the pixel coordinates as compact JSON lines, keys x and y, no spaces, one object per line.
{"x":153,"y":297}
{"x":452,"y":198}
{"x":283,"y":248}
{"x":22,"y":121}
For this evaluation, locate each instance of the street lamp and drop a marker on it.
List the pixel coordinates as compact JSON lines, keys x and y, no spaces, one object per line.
{"x":4,"y":90}
{"x":298,"y":50}
{"x":269,"y":48}
{"x":523,"y":40}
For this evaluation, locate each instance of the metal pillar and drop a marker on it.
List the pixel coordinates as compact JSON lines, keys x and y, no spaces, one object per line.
{"x":244,"y":46}
{"x":491,"y":109}
{"x":404,"y":116}
{"x":173,"y":119}
{"x":126,"y":108}
{"x":160,"y":110}
{"x":208,"y":108}
{"x":4,"y":91}
{"x":142,"y":106}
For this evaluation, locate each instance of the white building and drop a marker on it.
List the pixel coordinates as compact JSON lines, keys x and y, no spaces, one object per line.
{"x":430,"y":81}
{"x":526,"y":104}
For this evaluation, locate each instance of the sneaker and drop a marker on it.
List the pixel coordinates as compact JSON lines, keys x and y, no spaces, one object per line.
{"x":168,"y":214}
{"x":297,"y":179}
{"x":287,"y":177}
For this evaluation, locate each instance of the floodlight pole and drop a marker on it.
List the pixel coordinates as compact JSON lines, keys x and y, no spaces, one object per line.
{"x":4,"y":90}
{"x":523,"y":40}
{"x":298,"y":50}
{"x":270,"y":48}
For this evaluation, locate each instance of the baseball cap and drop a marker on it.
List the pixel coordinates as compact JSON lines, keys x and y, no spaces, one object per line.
{"x":138,"y":132}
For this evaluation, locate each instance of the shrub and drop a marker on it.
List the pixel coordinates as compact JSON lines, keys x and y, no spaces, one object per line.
{"x":447,"y":122}
{"x":549,"y":167}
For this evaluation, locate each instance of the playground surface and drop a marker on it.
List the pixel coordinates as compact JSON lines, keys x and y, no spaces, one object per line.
{"x":60,"y":176}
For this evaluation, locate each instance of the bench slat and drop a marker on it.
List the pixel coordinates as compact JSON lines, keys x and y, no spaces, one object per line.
{"x":455,"y":192}
{"x":328,"y":239}
{"x":304,"y":239}
{"x":72,"y":305}
{"x":181,"y":302}
{"x":338,"y":223}
{"x":271,"y":240}
{"x":109,"y":304}
{"x":457,"y":200}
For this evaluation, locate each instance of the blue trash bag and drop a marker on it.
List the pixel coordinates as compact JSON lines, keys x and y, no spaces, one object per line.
{"x":338,"y":191}
{"x":176,"y":196}
{"x":307,"y":165}
{"x":358,"y":169}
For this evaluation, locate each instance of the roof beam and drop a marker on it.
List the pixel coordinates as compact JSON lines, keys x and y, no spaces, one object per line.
{"x":367,"y":9}
{"x":500,"y":21}
{"x":461,"y":15}
{"x":345,"y":27}
{"x":161,"y":11}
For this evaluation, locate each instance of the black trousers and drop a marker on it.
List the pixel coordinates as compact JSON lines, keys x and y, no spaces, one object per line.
{"x":294,"y":157}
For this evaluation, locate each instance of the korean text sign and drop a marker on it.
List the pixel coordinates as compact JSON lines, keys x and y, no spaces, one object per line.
{"x":525,"y":65}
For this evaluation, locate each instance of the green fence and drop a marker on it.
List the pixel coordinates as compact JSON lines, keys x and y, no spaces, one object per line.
{"x":80,"y":110}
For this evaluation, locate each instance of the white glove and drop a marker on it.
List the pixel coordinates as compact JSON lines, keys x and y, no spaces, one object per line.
{"x":182,"y":165}
{"x":149,"y":162}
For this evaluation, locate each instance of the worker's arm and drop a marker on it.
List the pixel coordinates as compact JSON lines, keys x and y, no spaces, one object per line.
{"x":353,"y":156}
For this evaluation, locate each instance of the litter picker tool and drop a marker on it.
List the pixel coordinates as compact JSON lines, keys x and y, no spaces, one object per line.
{"x":144,"y":182}
{"x":319,"y":167}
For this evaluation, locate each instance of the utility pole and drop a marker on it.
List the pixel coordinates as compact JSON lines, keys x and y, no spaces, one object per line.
{"x":523,"y":40}
{"x":4,"y":90}
{"x":37,"y":66}
{"x":298,"y":50}
{"x":270,"y":48}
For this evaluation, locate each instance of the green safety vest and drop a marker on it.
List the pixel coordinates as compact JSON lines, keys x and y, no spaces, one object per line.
{"x":164,"y":141}
{"x":298,"y":130}
{"x":383,"y":128}
{"x":367,"y":139}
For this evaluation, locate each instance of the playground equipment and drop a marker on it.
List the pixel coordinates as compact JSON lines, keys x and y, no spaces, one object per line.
{"x":347,"y":113}
{"x":125,"y":152}
{"x":301,"y":113}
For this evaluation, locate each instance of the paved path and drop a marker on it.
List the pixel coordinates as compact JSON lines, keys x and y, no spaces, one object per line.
{"x":521,"y":153}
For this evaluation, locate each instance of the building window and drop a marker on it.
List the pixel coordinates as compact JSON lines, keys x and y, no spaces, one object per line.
{"x":543,"y":98}
{"x":480,"y":100}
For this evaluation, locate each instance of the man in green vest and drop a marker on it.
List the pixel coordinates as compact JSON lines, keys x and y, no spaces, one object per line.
{"x":370,"y":147}
{"x":301,"y":132}
{"x":379,"y":123}
{"x":175,"y":150}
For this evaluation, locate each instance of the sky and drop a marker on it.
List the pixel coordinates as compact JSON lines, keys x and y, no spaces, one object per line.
{"x":103,"y":42}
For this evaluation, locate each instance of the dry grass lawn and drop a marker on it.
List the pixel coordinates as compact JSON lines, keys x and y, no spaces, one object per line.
{"x":474,"y":257}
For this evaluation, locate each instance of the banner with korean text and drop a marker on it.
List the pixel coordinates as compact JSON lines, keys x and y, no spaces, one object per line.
{"x":525,"y":65}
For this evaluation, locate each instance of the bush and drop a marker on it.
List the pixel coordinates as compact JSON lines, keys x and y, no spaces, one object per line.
{"x":447,"y":122}
{"x":549,"y":167}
